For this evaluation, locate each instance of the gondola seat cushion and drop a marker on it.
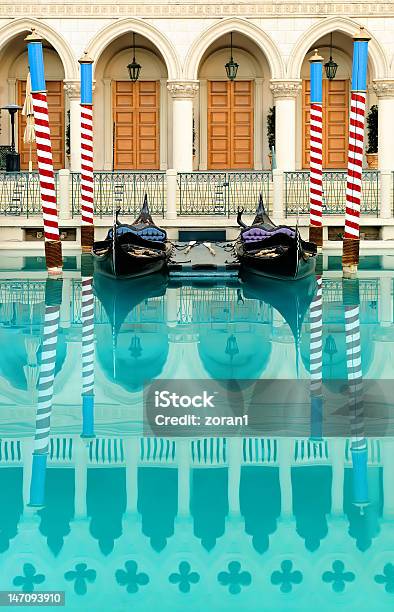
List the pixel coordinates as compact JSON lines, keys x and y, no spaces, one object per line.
{"x":256,"y":234}
{"x":149,"y":233}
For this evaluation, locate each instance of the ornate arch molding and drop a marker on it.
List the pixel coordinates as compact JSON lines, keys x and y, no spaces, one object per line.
{"x":225,"y":26}
{"x":61,"y":46}
{"x":377,"y":55}
{"x":109,"y":33}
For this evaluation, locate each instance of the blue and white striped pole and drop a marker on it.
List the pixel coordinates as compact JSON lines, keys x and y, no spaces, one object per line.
{"x":53,"y":297}
{"x":87,"y":347}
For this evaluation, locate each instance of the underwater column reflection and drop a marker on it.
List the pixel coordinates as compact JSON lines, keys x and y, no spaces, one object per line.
{"x":53,"y":295}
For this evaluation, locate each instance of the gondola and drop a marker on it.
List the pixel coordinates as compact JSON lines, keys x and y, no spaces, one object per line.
{"x":130,"y":251}
{"x":275,"y":251}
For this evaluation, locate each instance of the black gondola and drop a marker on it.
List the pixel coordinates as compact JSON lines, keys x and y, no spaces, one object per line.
{"x":276,"y":251}
{"x":130,"y":251}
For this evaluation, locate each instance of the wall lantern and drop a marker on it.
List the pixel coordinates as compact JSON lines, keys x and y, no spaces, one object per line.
{"x":134,"y":68}
{"x":231,"y":66}
{"x":331,"y":67}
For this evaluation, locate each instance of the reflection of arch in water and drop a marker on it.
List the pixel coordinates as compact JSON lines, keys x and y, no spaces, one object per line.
{"x":106,"y":504}
{"x":209,"y":504}
{"x":137,"y":356}
{"x":312,"y":502}
{"x":59,"y":506}
{"x":260,"y":503}
{"x":11,"y":504}
{"x":19,"y":351}
{"x":157,"y":503}
{"x":240,"y":355}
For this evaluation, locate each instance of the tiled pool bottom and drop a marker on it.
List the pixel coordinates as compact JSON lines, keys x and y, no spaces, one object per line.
{"x":272,"y":522}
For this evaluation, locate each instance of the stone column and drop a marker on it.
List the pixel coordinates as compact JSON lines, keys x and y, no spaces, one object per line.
{"x":384,"y":90}
{"x":285,"y":98}
{"x":286,"y":488}
{"x":337,"y":457}
{"x":183,"y":93}
{"x":72,"y":89}
{"x":80,"y":454}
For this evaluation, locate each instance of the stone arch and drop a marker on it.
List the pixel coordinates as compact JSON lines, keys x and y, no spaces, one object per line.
{"x":10,"y":30}
{"x":257,"y":35}
{"x":109,"y":33}
{"x":377,"y":55}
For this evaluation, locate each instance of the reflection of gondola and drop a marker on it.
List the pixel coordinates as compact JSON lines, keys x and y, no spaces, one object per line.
{"x":271,"y":250}
{"x":138,"y":351}
{"x":290,"y":300}
{"x":133,"y":250}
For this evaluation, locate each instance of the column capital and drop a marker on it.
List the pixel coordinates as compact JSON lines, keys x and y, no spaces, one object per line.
{"x":383,"y":88}
{"x":183,"y":89}
{"x":72,"y":89}
{"x":284,"y":88}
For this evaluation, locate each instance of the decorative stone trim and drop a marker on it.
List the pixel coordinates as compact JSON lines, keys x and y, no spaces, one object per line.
{"x":183,"y":89}
{"x":197,"y":10}
{"x":72,"y":89}
{"x":384,"y":88}
{"x":285,"y":89}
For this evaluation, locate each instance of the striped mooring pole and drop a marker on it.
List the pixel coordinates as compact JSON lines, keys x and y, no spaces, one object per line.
{"x":316,"y":150}
{"x":53,"y":247}
{"x":87,"y":347}
{"x":358,"y":447}
{"x":53,"y":298}
{"x":351,"y":239}
{"x":87,"y":181}
{"x":316,"y":361}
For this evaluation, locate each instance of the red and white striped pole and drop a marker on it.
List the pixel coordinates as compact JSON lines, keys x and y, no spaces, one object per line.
{"x":316,"y":150}
{"x":351,"y":240}
{"x":316,"y":362}
{"x":87,"y":181}
{"x":53,"y":247}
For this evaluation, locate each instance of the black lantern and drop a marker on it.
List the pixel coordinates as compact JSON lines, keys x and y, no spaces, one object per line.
{"x":231,"y":66}
{"x":232,"y":347}
{"x":134,"y":68}
{"x":331,"y":67}
{"x":12,"y":159}
{"x":135,"y":347}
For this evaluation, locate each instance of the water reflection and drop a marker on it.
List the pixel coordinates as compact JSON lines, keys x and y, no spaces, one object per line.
{"x":78,"y":477}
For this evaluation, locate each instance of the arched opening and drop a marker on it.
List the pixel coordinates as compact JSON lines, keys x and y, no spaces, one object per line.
{"x":230,"y":116}
{"x":336,"y":101}
{"x":130,"y":117}
{"x":13,"y":74}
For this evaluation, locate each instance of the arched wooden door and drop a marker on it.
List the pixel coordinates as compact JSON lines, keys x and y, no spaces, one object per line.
{"x":55,"y":97}
{"x":136,"y":125}
{"x":335,"y":123}
{"x":230,"y":125}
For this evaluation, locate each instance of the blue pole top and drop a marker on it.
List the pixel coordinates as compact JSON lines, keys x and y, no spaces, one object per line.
{"x":37,"y":483}
{"x":86,"y":79}
{"x":36,"y":62}
{"x":316,"y":71}
{"x":360,"y":61}
{"x":88,"y":416}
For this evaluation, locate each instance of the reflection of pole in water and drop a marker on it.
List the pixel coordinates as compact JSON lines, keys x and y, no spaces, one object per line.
{"x":316,"y":360}
{"x":53,"y":295}
{"x":87,"y":347}
{"x":359,"y":447}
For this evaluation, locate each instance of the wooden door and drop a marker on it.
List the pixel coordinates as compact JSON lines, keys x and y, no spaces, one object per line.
{"x":335,"y":123}
{"x":230,"y":125}
{"x":136,"y":122}
{"x":55,"y":97}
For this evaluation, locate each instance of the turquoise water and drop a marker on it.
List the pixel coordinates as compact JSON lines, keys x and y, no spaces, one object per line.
{"x":298,"y":517}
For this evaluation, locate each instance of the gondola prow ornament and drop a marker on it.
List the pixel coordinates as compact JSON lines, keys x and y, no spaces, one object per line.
{"x":351,"y":239}
{"x":53,"y":247}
